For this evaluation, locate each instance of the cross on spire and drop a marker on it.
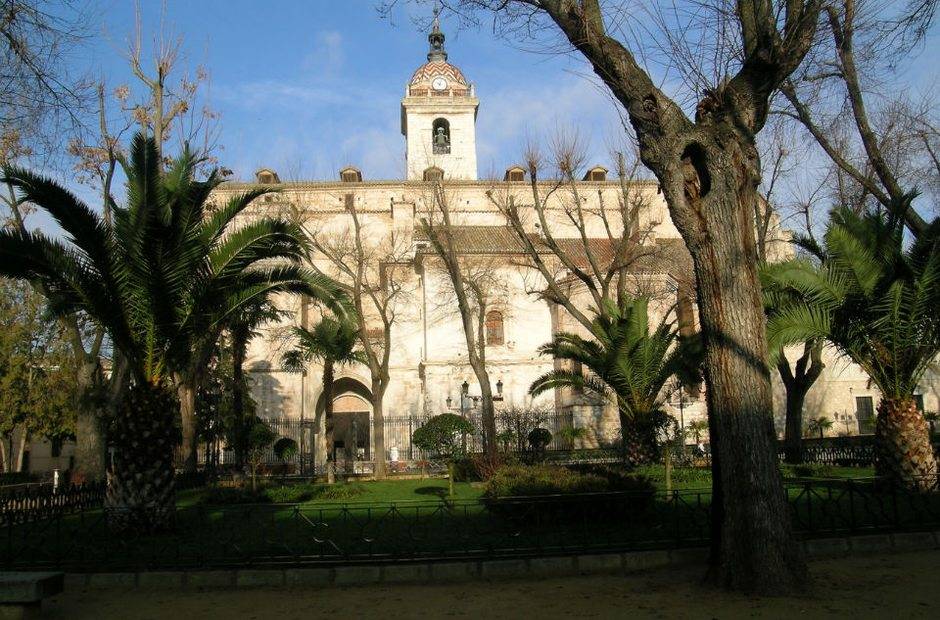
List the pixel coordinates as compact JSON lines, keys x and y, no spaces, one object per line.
{"x":436,"y":38}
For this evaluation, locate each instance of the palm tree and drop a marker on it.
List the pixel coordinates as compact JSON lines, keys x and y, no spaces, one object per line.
{"x":698,"y":428}
{"x":629,"y":363}
{"x":819,"y":426}
{"x":332,"y":342}
{"x":876,"y":302}
{"x":161,"y":280}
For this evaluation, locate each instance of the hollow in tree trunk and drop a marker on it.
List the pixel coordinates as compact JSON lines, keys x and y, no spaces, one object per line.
{"x":902,"y":439}
{"x":141,"y":496}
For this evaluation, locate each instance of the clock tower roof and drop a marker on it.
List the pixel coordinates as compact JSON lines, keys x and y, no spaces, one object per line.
{"x":437,"y":66}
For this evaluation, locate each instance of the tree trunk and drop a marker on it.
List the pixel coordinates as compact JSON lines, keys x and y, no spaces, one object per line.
{"x":755,"y":550}
{"x":487,"y":414}
{"x":141,"y":496}
{"x":797,"y":383}
{"x":186,"y":391}
{"x":380,"y":471}
{"x":21,"y":450}
{"x":328,"y":422}
{"x":90,"y":445}
{"x":238,"y":398}
{"x":793,"y":429}
{"x":902,"y":439}
{"x":5,"y":448}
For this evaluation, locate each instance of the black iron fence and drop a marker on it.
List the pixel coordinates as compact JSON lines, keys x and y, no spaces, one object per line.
{"x":44,"y":501}
{"x":341,"y":533}
{"x":852,"y":451}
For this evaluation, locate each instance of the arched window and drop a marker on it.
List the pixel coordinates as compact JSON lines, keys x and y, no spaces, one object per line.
{"x":440,"y":136}
{"x":494,"y":327}
{"x":433,"y":174}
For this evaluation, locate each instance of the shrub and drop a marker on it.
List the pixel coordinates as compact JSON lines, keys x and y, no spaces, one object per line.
{"x":525,"y":480}
{"x":465,"y":470}
{"x":285,"y":449}
{"x":806,"y":470}
{"x":233,"y":495}
{"x":539,"y":438}
{"x":295,"y":493}
{"x":443,"y":436}
{"x":552,"y":484}
{"x":284,"y":494}
{"x":617,"y":478}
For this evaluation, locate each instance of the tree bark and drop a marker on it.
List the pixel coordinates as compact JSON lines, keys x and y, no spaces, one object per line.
{"x":757,"y":551}
{"x":328,"y":422}
{"x":709,"y":171}
{"x":186,"y":392}
{"x":904,"y":452}
{"x":90,"y":445}
{"x":380,"y":471}
{"x":21,"y":451}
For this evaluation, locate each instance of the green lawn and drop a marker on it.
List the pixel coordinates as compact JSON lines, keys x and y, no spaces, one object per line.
{"x":430,"y":489}
{"x":416,"y":519}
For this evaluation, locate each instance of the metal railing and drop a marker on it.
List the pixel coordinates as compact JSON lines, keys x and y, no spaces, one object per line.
{"x":359,"y":532}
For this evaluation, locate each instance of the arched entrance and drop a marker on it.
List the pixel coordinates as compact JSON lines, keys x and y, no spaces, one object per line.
{"x":352,"y":423}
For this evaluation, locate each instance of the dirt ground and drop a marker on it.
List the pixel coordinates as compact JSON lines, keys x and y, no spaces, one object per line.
{"x":881,"y":586}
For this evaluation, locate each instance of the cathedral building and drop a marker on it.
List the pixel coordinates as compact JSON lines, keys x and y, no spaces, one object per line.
{"x":526,"y":252}
{"x":513,"y":239}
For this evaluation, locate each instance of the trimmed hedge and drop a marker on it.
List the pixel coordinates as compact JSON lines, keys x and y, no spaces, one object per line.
{"x":286,"y":494}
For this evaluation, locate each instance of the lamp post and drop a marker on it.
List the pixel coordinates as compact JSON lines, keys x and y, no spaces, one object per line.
{"x":678,"y":387}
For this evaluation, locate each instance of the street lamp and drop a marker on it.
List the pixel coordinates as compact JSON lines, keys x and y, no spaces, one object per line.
{"x":678,"y":387}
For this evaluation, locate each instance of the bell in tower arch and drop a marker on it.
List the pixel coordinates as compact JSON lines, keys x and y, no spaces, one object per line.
{"x":440,"y":132}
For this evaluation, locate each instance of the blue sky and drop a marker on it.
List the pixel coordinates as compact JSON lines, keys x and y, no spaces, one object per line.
{"x":307,"y":87}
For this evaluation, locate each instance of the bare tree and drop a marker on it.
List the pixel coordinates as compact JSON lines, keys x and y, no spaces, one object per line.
{"x":709,"y":170}
{"x":42,"y":96}
{"x":373,"y":271}
{"x":579,"y":241}
{"x":870,"y":146}
{"x":474,"y":282}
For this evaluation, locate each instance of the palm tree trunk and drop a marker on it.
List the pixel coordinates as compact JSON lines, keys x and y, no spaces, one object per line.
{"x":902,"y":439}
{"x":328,"y":422}
{"x":141,"y":496}
{"x":635,"y":441}
{"x":186,"y":390}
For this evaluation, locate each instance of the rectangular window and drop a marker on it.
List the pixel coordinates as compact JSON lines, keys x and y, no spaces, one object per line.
{"x":865,"y":414}
{"x":919,"y":401}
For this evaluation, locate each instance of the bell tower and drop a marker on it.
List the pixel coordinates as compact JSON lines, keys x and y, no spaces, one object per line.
{"x":438,"y":117}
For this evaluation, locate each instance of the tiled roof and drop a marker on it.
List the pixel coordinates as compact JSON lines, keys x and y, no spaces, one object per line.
{"x":667,"y":256}
{"x":438,"y":68}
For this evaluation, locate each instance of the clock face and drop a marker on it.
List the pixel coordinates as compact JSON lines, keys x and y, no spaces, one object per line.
{"x":439,"y":83}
